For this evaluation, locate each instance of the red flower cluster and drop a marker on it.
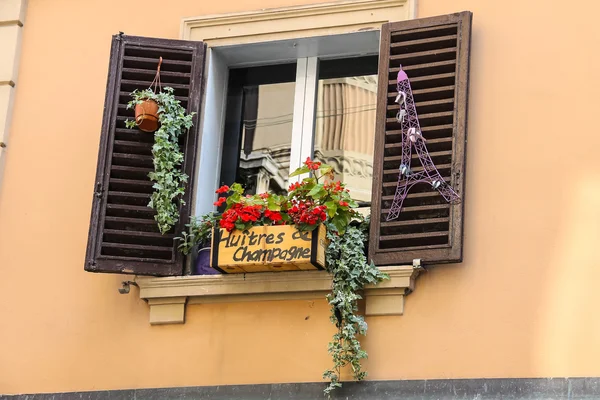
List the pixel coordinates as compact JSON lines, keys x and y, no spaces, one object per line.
{"x":311,"y":164}
{"x":344,"y":203}
{"x":304,"y":212}
{"x":273,"y":215}
{"x":239,"y":212}
{"x":335,"y":187}
{"x":221,"y":200}
{"x":294,"y":186}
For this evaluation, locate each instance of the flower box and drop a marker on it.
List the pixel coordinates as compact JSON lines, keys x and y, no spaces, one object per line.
{"x":268,"y":249}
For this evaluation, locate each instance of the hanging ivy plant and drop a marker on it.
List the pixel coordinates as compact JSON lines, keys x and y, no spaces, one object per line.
{"x":313,"y":201}
{"x":168,"y":177}
{"x":347,"y":263}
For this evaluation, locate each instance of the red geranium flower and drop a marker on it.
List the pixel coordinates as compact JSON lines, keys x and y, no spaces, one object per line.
{"x":343,"y":203}
{"x":222,"y":189}
{"x":294,"y":186}
{"x":225,"y":224}
{"x":220,"y":201}
{"x":312,"y":165}
{"x":273,"y":215}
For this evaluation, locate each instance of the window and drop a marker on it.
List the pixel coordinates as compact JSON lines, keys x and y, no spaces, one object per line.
{"x":245,"y":133}
{"x":277,"y":115}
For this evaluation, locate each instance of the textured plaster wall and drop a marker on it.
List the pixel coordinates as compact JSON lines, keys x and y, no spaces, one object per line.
{"x":12,"y":18}
{"x":523,"y":303}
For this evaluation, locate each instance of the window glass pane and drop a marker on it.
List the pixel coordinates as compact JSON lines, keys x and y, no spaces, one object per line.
{"x":258,"y":127}
{"x":345,"y":129}
{"x":266,"y":137}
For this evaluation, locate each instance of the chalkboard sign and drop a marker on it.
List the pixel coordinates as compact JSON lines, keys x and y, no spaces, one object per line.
{"x":268,"y":249}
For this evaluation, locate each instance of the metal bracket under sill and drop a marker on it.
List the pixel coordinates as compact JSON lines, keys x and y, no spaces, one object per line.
{"x":168,"y":297}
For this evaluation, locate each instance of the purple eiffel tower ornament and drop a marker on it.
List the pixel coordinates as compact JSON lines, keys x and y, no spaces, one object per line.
{"x":412,"y":137}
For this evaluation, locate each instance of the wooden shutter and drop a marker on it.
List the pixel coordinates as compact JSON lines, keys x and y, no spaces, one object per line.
{"x":434,"y":52}
{"x":123,"y":235}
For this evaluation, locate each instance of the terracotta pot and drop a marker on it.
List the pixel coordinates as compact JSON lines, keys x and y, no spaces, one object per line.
{"x":146,"y":115}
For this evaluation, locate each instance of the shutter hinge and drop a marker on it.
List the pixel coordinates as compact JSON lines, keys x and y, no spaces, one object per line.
{"x":120,"y":35}
{"x":126,"y":286}
{"x":99,"y":191}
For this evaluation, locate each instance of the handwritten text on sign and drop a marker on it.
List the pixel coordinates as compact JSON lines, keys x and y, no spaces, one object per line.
{"x":251,"y":246}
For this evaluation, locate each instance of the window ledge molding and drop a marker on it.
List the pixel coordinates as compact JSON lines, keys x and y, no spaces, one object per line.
{"x":168,"y":297}
{"x":295,"y":21}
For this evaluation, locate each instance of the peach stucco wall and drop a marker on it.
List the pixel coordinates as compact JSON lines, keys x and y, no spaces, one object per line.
{"x":523,"y":304}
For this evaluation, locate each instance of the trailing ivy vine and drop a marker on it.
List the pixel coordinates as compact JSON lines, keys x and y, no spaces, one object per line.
{"x":168,"y":177}
{"x":347,"y":263}
{"x":310,"y":203}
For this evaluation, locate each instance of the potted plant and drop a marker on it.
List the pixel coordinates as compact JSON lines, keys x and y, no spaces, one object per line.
{"x":146,"y":107}
{"x":168,"y":158}
{"x":292,"y":226}
{"x":146,"y":115}
{"x":198,"y":240}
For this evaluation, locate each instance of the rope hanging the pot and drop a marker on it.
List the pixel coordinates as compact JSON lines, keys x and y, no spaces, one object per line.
{"x":156,"y":80}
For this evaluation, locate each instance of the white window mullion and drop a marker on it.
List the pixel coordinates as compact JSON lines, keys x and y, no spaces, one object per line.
{"x":304,"y":112}
{"x":310,"y":107}
{"x":298,"y":118}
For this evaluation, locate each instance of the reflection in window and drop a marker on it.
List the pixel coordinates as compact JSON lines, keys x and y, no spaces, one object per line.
{"x":266,"y":137}
{"x":345,"y":130}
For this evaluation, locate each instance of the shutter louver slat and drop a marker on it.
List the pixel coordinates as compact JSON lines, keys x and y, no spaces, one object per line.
{"x":419,"y":196}
{"x":144,"y":84}
{"x":432,"y":68}
{"x":434,"y":53}
{"x":392,"y":184}
{"x":124,"y":236}
{"x":125,"y":97}
{"x":408,"y":236}
{"x":414,"y":222}
{"x":133,"y":224}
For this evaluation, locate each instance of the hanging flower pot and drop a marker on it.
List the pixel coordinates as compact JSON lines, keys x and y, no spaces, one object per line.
{"x":146,"y":115}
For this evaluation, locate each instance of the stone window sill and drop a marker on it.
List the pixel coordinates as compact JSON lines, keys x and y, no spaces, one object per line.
{"x":168,"y":297}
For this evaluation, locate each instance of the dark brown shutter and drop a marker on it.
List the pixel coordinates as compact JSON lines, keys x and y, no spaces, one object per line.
{"x":434,"y":52}
{"x":123,"y":235}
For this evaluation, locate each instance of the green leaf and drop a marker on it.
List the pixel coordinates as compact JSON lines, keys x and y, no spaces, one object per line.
{"x":331,"y":208}
{"x":237,"y":188}
{"x":325,"y":169}
{"x":316,"y":189}
{"x":300,"y":171}
{"x":352,"y":203}
{"x":273,"y":205}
